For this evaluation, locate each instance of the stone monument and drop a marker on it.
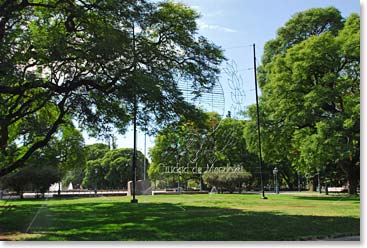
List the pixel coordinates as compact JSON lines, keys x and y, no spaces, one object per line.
{"x":141,"y":188}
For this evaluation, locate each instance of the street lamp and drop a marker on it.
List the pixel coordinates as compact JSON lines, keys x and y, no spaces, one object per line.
{"x":58,"y":157}
{"x":200,"y":182}
{"x":318,"y":181}
{"x":95,"y":181}
{"x":299,"y":181}
{"x":275,"y":172}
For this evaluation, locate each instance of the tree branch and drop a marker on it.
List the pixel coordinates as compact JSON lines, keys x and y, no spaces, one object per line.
{"x":39,"y":144}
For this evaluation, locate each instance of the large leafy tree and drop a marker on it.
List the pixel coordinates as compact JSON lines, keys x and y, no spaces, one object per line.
{"x":230,"y":144}
{"x":97,"y":62}
{"x":274,"y":145}
{"x":70,"y":149}
{"x":77,"y":173}
{"x":63,"y":153}
{"x":34,"y":177}
{"x":178,"y":145}
{"x":209,"y":142}
{"x":310,"y":77}
{"x":113,"y":170}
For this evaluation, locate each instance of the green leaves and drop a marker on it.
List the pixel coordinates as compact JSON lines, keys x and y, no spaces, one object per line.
{"x":205,"y":143}
{"x":310,"y":92}
{"x":90,"y":61}
{"x":226,"y":180}
{"x":349,"y":37}
{"x":111,"y":169}
{"x":302,"y":26}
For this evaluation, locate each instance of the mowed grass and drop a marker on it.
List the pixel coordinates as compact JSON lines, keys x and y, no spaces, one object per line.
{"x":181,"y":217}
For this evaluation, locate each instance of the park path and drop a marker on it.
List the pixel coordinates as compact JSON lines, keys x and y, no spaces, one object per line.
{"x":345,"y":238}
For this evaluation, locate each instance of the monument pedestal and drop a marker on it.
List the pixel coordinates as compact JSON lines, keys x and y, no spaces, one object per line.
{"x":141,"y":188}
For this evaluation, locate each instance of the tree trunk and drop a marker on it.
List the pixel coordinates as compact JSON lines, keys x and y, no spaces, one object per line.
{"x":287,"y":180}
{"x":352,"y":182}
{"x":311,"y":185}
{"x":352,"y":170}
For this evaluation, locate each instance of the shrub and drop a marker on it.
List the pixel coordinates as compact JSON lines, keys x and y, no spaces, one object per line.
{"x":226,"y":180}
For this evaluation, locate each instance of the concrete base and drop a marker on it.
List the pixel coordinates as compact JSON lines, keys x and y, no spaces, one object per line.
{"x":141,"y":188}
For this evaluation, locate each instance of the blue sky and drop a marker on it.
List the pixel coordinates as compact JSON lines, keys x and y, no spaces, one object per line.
{"x":235,"y":25}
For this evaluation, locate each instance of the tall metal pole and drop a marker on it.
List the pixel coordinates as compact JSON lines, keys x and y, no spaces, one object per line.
{"x":134,"y":200}
{"x":145,"y":153}
{"x":258,"y":126}
{"x":135,"y":110}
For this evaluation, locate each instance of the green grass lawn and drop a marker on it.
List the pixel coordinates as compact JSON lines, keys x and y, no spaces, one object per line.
{"x":181,"y":217}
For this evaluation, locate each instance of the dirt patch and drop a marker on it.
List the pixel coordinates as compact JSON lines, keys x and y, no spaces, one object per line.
{"x":18,"y":236}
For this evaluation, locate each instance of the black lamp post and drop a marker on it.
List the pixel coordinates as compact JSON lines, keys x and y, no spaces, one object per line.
{"x":95,"y":181}
{"x":318,"y":181}
{"x":135,"y":113}
{"x":299,"y":181}
{"x":201,"y":183}
{"x":275,"y":172}
{"x":59,"y":190}
{"x":145,"y":155}
{"x":58,"y":157}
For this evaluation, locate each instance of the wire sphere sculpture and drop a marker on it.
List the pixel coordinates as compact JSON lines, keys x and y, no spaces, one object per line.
{"x":236,"y":85}
{"x":201,"y":148}
{"x":208,"y":100}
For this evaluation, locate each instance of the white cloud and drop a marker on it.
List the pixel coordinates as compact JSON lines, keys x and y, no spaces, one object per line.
{"x":203,"y":25}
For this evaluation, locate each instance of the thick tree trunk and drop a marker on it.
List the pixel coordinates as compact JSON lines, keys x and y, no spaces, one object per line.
{"x":312,"y":184}
{"x":287,"y":180}
{"x":352,"y":170}
{"x":353,"y":180}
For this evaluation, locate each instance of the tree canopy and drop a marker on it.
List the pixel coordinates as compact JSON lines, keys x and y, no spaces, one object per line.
{"x":64,"y":153}
{"x":310,"y":103}
{"x":113,"y":170}
{"x":201,"y":145}
{"x":95,"y":62}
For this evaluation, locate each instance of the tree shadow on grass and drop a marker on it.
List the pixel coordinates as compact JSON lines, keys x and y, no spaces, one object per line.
{"x":344,"y":198}
{"x":14,"y":217}
{"x":165,"y":221}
